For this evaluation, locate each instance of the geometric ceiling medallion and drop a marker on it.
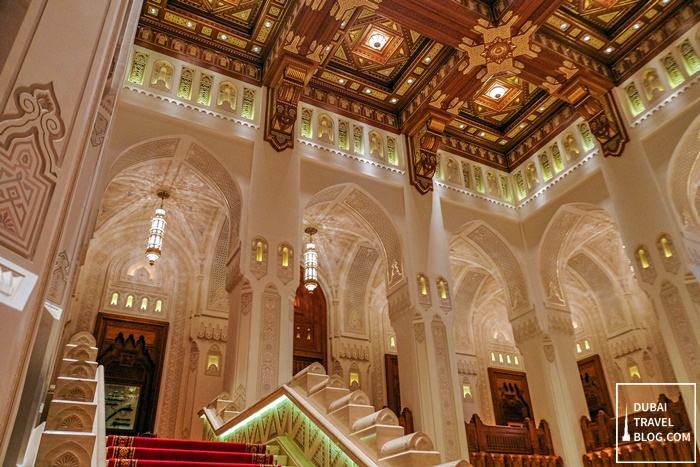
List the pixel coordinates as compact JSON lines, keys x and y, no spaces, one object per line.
{"x":497,"y":94}
{"x":377,"y":44}
{"x":498,"y":50}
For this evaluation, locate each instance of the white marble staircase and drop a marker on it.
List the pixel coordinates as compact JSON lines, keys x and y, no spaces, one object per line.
{"x":366,"y":436}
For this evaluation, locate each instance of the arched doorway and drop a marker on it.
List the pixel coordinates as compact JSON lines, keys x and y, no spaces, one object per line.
{"x":310,"y":333}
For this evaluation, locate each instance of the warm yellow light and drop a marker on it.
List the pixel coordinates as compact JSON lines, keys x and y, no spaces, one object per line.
{"x":496,"y":92}
{"x":310,"y":262}
{"x":155,"y":236}
{"x":377,"y":41}
{"x":285,"y":257}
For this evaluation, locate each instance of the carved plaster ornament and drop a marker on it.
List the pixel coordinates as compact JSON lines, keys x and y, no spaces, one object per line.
{"x":498,"y":50}
{"x":283,"y":96}
{"x":424,"y":144}
{"x":604,"y":120}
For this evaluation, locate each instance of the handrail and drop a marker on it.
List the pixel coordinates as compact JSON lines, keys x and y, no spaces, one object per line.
{"x":99,"y":458}
{"x":284,"y":392}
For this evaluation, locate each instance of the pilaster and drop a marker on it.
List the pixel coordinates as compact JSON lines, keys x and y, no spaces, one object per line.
{"x":545,"y":338}
{"x":420,"y":312}
{"x":261,"y":304}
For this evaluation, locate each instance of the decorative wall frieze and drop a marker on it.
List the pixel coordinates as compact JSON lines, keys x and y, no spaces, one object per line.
{"x":650,"y":43}
{"x":542,"y":136}
{"x":211,"y":331}
{"x":354,"y":351}
{"x":176,"y":45}
{"x":399,"y":302}
{"x":526,"y":329}
{"x":625,"y":345}
{"x":349,"y":107}
{"x":467,"y":366}
{"x":560,"y":324}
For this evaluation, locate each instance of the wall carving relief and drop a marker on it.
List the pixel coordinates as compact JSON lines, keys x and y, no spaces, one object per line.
{"x":29,"y":166}
{"x":447,"y":403}
{"x":463,"y":302}
{"x":604,"y":290}
{"x":682,"y":329}
{"x":551,"y":251}
{"x":217,"y":299}
{"x":59,"y":278}
{"x":508,"y":266}
{"x":269,"y":343}
{"x":382,"y":225}
{"x":356,"y":289}
{"x":212,"y":331}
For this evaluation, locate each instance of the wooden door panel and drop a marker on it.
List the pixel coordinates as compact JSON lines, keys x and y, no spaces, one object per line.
{"x":132,"y":353}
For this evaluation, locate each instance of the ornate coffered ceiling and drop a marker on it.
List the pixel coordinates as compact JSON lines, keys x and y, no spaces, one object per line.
{"x":489,"y":73}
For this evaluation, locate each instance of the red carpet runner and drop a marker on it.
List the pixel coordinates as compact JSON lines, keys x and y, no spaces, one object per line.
{"x":129,"y":451}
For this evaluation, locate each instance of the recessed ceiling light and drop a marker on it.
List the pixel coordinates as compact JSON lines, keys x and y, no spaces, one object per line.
{"x":256,"y":49}
{"x":427,"y":60}
{"x":189,"y":24}
{"x":563,"y":25}
{"x":664,"y":1}
{"x":341,"y":80}
{"x":462,"y":125}
{"x":368,"y":91}
{"x":394,"y":100}
{"x":153,"y":11}
{"x":377,"y":41}
{"x":328,"y":47}
{"x":483,"y":133}
{"x":409,"y":80}
{"x":586,"y":38}
{"x":608,"y":50}
{"x":497,"y":92}
{"x":268,"y":24}
{"x":342,"y":25}
{"x":224,"y":37}
{"x":636,"y":25}
{"x":542,"y":109}
{"x":522,"y":125}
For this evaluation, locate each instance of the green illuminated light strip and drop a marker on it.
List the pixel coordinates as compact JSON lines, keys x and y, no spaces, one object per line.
{"x":292,"y":424}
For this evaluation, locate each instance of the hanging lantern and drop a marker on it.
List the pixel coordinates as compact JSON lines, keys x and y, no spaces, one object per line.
{"x":310,"y":262}
{"x":155,"y":236}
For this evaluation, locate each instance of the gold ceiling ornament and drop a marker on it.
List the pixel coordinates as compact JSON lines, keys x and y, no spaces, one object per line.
{"x":499,"y":49}
{"x":155,"y":235}
{"x":343,"y":6}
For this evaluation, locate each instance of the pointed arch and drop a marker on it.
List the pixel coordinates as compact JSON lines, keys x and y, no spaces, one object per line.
{"x":500,"y":261}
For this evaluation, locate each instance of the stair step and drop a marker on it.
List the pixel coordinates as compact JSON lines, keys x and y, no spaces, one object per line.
{"x":161,"y":463}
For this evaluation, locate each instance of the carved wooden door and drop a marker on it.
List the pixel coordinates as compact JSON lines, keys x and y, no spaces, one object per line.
{"x":393,"y":392}
{"x":132,"y":351}
{"x":595,"y":388}
{"x":310,"y":333}
{"x":510,"y":395}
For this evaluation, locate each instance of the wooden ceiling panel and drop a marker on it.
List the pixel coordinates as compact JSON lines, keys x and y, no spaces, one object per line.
{"x":495,"y":72}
